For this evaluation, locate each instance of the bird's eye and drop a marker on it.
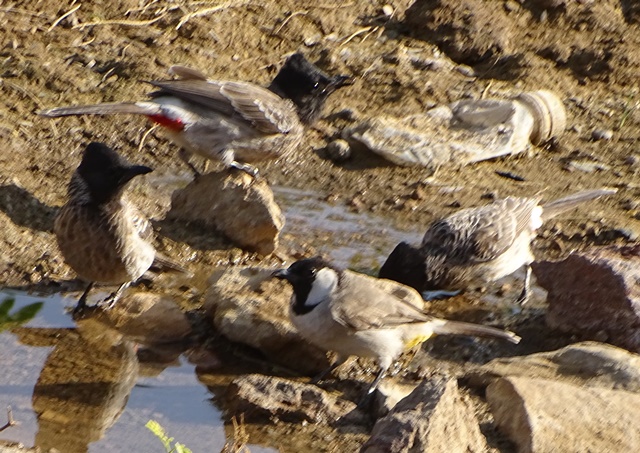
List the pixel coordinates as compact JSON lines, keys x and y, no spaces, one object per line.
{"x":313,"y":272}
{"x":316,"y":85}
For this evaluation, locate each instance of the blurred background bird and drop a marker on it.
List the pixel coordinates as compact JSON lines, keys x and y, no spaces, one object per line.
{"x":232,"y":122}
{"x":478,"y":245}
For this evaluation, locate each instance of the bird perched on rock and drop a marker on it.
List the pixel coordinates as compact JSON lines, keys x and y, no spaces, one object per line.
{"x":230,"y":121}
{"x":477,"y":245}
{"x":354,"y":314}
{"x":101,"y":235}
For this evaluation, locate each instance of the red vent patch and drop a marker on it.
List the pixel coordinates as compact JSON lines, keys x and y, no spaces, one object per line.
{"x":169,"y":123}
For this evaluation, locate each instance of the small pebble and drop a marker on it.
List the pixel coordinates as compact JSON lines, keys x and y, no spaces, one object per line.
{"x":310,"y":42}
{"x":387,"y":10}
{"x":465,"y":70}
{"x":418,"y":193}
{"x":511,"y":6}
{"x":339,"y":150}
{"x":602,"y":134}
{"x":630,"y":205}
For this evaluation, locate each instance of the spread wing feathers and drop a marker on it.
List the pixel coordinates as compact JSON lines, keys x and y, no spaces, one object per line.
{"x":365,"y":302}
{"x":265,"y":110}
{"x":480,"y":234}
{"x":136,"y":108}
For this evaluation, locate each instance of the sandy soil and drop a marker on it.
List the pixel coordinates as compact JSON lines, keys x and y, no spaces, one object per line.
{"x":57,"y":53}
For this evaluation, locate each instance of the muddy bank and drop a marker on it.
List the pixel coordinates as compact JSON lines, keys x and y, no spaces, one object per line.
{"x":404,"y":60}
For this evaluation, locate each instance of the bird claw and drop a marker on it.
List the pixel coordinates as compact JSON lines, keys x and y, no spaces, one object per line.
{"x":78,"y":312}
{"x":523,"y":298}
{"x":249,"y":169}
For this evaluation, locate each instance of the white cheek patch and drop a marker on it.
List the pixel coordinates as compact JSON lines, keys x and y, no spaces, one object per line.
{"x":324,"y":284}
{"x":536,"y":218}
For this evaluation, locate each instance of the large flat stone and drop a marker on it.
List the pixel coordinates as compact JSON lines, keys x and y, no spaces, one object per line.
{"x":259,"y":397}
{"x":586,"y":364}
{"x":542,"y":416}
{"x":248,"y":306}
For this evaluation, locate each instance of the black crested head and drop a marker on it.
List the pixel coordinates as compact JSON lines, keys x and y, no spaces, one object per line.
{"x":104,"y":172}
{"x":406,"y":265}
{"x":301,"y":275}
{"x":306,"y":85}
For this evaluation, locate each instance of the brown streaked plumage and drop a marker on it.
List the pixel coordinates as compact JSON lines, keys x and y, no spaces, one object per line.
{"x":355,"y":314}
{"x":230,"y":121}
{"x":101,"y":235}
{"x":478,"y":245}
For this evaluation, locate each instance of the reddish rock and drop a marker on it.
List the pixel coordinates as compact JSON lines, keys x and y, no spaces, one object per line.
{"x":240,"y":207}
{"x":595,"y":294}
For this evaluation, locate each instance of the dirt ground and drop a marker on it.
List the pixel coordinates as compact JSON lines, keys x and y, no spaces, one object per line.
{"x":58,"y":53}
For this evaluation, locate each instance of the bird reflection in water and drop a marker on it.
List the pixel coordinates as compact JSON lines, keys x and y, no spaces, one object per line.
{"x":84,"y":385}
{"x":87,"y":378}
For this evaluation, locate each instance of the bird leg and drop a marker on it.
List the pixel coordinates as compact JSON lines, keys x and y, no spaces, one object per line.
{"x":339,"y":361}
{"x":438,"y":294}
{"x":10,"y":421}
{"x":381,"y":374}
{"x":526,"y":291}
{"x":82,"y":302}
{"x":184,"y":157}
{"x":366,"y":399}
{"x":113,"y":298}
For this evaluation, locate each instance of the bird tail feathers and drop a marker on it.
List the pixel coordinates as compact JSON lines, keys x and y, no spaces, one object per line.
{"x":473,"y":330}
{"x":142,"y":108}
{"x":556,"y":207}
{"x":164,"y":264}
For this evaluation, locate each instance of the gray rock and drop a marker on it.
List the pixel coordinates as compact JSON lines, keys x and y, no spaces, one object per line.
{"x":586,"y":166}
{"x":595,"y":294}
{"x":602,"y":134}
{"x":259,"y":397}
{"x":235,"y":204}
{"x":588,"y":364}
{"x":250,"y":307}
{"x":542,"y":416}
{"x":435,"y":417}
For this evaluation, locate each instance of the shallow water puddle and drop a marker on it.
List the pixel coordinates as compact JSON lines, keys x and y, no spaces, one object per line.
{"x":80,"y":387}
{"x":359,"y":241}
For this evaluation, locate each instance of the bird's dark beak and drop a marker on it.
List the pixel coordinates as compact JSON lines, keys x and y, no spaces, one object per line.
{"x":341,"y":81}
{"x":131,"y":172}
{"x":281,"y":274}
